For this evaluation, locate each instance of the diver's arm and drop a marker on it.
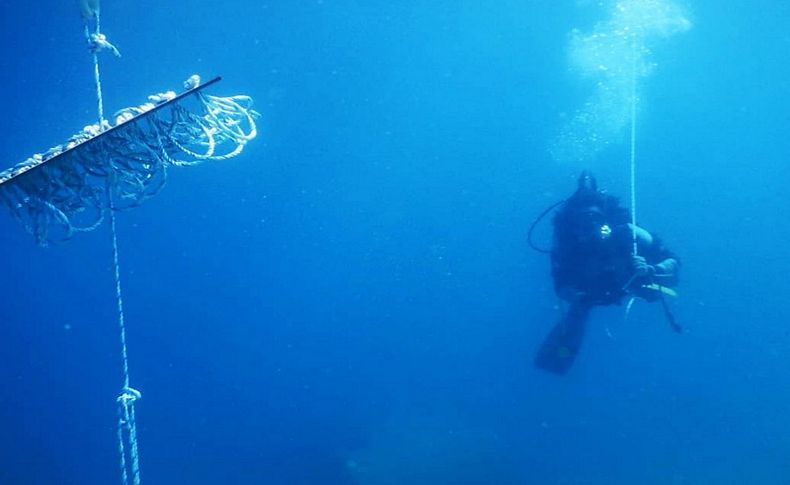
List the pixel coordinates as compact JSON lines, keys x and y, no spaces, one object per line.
{"x":665,"y":270}
{"x":642,"y":236}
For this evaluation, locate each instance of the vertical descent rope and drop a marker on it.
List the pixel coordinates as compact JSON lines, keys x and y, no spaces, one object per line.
{"x":127,"y":423}
{"x":633,"y":146}
{"x":97,"y":77}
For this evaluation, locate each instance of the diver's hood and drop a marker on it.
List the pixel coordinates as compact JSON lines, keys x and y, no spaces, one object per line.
{"x":587,"y":194}
{"x":587,"y":182}
{"x":576,"y":211}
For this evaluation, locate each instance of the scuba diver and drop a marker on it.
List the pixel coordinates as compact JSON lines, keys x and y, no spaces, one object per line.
{"x":599,"y":258}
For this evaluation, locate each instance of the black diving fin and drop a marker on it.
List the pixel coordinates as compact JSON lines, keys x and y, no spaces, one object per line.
{"x":562,"y":345}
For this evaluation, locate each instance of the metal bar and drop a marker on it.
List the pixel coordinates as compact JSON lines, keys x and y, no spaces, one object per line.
{"x":26,"y":169}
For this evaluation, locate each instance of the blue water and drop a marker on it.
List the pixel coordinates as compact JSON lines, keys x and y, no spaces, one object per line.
{"x":352,"y":300}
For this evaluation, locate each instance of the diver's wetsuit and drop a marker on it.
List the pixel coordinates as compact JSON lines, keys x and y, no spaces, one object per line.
{"x":592,"y":264}
{"x":597,"y":273}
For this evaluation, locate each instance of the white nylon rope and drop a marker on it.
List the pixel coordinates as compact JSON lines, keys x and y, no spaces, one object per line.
{"x":633,"y":147}
{"x":127,"y":424}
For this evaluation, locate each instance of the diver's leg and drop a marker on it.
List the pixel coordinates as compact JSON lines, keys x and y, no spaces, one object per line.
{"x":559,"y":349}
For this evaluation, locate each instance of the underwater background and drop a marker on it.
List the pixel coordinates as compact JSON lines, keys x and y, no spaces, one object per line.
{"x":352,"y":300}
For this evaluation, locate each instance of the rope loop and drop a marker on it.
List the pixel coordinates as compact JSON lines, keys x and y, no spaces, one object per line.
{"x":128,"y":396}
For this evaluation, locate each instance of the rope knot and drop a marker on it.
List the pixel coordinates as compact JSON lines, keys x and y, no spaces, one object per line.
{"x":129,"y":395}
{"x":98,"y":42}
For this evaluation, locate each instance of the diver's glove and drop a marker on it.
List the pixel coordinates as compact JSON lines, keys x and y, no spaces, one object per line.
{"x":641,"y":268}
